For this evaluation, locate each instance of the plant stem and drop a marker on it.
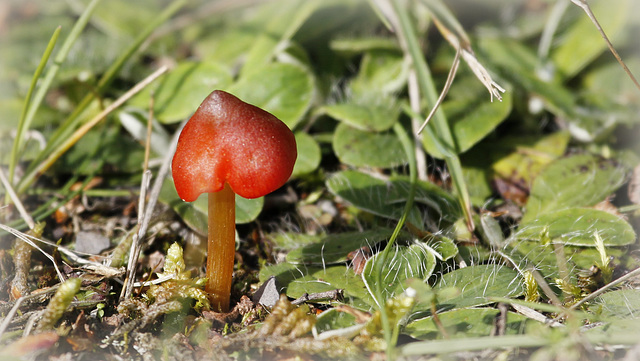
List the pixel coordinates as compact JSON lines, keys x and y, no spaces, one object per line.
{"x":439,"y":122}
{"x":24,"y":124}
{"x":391,"y":335}
{"x":221,"y":247}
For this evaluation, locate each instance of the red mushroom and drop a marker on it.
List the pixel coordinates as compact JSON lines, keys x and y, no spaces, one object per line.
{"x":229,"y":147}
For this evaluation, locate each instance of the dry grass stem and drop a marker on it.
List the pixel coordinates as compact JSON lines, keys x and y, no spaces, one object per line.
{"x":467,"y":54}
{"x":605,"y":288}
{"x":16,"y":200}
{"x":153,"y":199}
{"x":27,"y":239}
{"x":450,"y":77}
{"x":80,"y":132}
{"x":535,"y":315}
{"x":585,"y":6}
{"x":414,"y":99}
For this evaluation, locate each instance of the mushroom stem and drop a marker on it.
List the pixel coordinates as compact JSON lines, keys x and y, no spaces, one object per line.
{"x":221,"y":247}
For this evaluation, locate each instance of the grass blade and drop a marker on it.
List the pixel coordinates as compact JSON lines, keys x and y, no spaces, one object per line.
{"x":439,"y":121}
{"x":391,"y":335}
{"x":65,"y":130}
{"x":57,"y":63}
{"x":23,"y":125}
{"x":73,"y":138}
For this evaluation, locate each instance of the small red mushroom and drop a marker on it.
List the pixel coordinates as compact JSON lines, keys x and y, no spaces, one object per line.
{"x":229,"y":147}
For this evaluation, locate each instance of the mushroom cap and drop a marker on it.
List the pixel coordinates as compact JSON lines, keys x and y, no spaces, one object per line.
{"x":228,"y":140}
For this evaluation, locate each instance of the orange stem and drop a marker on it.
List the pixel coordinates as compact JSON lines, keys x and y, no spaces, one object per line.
{"x":221,"y":247}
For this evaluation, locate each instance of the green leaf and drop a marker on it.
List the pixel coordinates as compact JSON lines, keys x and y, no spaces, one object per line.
{"x":387,"y":198}
{"x":334,"y":248}
{"x":412,"y":262}
{"x":545,"y":257}
{"x":471,"y":114}
{"x":578,"y":226}
{"x":466,"y":322}
{"x":285,"y":90}
{"x":381,"y":72}
{"x":332,"y":319}
{"x":247,"y":210}
{"x":300,"y":279}
{"x":576,"y":181}
{"x":474,"y":286}
{"x":609,"y":86}
{"x":366,"y":117}
{"x":582,"y":42}
{"x":491,"y":231}
{"x":475,"y":117}
{"x":292,"y":240}
{"x":444,"y":246}
{"x":182,"y":91}
{"x":285,"y":20}
{"x":477,"y":179}
{"x":365,"y":149}
{"x":620,"y":304}
{"x":521,"y":159}
{"x":194,"y":214}
{"x":309,"y":154}
{"x":102,"y":144}
{"x":226,"y":46}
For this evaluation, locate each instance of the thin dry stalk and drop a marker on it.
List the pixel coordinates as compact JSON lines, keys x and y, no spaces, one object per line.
{"x":450,"y":77}
{"x":153,"y":199}
{"x":585,"y":6}
{"x":414,"y":100}
{"x":459,"y":40}
{"x":27,"y":239}
{"x":134,"y":251}
{"x":22,"y":264}
{"x":80,"y":132}
{"x":605,"y":288}
{"x":16,"y":201}
{"x":147,"y":144}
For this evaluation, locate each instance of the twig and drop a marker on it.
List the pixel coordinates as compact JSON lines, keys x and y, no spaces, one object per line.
{"x":500,"y":322}
{"x":585,"y":6}
{"x":535,"y":315}
{"x":482,"y":74}
{"x":542,"y":283}
{"x":437,"y":321}
{"x":134,"y":250}
{"x":153,"y":198}
{"x":545,"y":288}
{"x":334,"y":295}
